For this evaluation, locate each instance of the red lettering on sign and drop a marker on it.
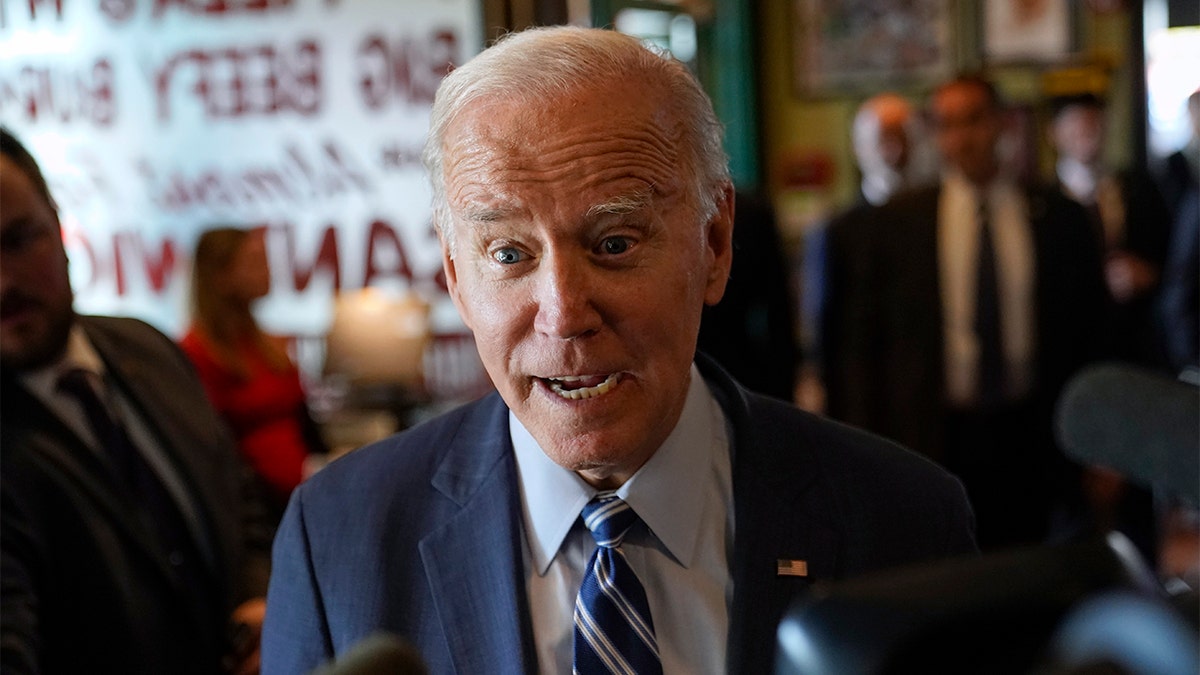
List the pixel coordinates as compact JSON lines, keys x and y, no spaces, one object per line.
{"x":76,"y":241}
{"x":291,"y":180}
{"x":219,"y":7}
{"x":386,"y":256}
{"x":34,"y":4}
{"x":55,"y":92}
{"x":235,"y":82}
{"x":119,"y":262}
{"x":409,"y":69}
{"x":159,"y":266}
{"x":128,"y":262}
{"x":118,"y":10}
{"x":327,"y":258}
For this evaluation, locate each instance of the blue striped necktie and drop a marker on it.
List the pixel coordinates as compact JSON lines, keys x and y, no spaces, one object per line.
{"x":613,"y":629}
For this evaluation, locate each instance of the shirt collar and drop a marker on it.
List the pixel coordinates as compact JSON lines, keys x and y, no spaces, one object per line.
{"x":664,"y":492}
{"x":1001,"y":188}
{"x":79,"y":355}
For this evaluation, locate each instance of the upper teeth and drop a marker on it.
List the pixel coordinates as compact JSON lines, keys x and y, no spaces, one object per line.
{"x":556,"y":385}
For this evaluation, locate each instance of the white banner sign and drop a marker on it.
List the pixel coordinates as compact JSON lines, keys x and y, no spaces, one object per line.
{"x":157,"y":119}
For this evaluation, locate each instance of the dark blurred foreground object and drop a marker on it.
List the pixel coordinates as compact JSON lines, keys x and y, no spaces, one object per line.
{"x":1136,"y":421}
{"x":1089,"y":606}
{"x":379,"y":654}
{"x":1136,"y":434}
{"x":1123,"y":632}
{"x":1018,"y":611}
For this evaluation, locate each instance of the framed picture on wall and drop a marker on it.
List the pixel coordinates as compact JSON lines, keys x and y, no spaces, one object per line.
{"x":861,"y":46}
{"x":1026,"y":30}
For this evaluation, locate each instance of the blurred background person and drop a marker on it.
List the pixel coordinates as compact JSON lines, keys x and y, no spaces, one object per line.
{"x":751,"y":331}
{"x":1131,"y":225}
{"x":1181,"y":274}
{"x":248,"y":375}
{"x":129,"y":530}
{"x":1180,"y":171}
{"x":979,"y":296}
{"x":886,"y":137}
{"x":1128,"y":216}
{"x":888,"y":146}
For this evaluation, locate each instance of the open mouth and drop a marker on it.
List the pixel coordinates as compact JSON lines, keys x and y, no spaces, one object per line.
{"x":578,"y":387}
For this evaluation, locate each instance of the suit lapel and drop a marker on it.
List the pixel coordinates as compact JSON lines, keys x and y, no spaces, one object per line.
{"x":475,"y":563}
{"x":51,"y":442}
{"x":156,"y":397}
{"x":779,"y":515}
{"x":154,"y":393}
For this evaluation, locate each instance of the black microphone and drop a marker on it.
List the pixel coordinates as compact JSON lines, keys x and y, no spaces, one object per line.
{"x":1142,"y":424}
{"x":377,"y":654}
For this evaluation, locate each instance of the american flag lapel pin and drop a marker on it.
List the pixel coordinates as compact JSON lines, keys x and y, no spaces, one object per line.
{"x":791,"y":568}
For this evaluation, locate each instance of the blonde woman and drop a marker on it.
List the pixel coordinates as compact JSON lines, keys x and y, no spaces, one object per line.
{"x":247,"y":373}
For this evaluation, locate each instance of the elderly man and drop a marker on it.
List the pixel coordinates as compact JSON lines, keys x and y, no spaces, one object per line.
{"x":886,"y":141}
{"x":125,"y":536}
{"x":585,"y":211}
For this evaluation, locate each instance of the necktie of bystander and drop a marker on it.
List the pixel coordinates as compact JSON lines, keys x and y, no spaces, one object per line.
{"x":156,"y":509}
{"x":987,"y":315}
{"x":114,"y":441}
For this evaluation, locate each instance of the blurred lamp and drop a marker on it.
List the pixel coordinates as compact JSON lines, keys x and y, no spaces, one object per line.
{"x":378,"y":338}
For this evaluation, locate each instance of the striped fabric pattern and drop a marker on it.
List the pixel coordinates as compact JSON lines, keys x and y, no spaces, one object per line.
{"x":613,"y":629}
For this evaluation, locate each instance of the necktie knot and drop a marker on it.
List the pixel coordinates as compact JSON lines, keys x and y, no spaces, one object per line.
{"x":608,"y":518}
{"x":77,"y":382}
{"x":614,"y":632}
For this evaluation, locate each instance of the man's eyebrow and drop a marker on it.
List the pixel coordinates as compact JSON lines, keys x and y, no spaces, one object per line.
{"x":621,"y":205}
{"x":485,"y":215}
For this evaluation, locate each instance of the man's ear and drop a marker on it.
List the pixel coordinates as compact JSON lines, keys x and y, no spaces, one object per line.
{"x":451,"y":273}
{"x":718,"y":240}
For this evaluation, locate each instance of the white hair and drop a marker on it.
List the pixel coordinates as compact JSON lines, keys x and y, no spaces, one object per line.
{"x":538,"y":64}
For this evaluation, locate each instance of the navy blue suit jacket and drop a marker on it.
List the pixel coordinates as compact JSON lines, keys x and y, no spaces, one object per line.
{"x":421,"y":535}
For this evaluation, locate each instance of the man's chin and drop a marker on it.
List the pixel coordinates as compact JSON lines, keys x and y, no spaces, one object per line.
{"x":31,"y":348}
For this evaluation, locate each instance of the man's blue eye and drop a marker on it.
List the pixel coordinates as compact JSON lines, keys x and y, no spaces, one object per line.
{"x":507,"y":256}
{"x":615,"y":245}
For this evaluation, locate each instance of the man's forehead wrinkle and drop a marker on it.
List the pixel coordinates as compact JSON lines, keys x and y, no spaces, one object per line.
{"x":602,"y":141}
{"x":498,"y":177}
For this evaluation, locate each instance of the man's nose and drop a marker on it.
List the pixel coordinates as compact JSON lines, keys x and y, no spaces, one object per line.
{"x":566,"y":297}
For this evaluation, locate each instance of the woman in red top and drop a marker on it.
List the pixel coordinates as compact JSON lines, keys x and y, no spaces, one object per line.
{"x":247,"y":373}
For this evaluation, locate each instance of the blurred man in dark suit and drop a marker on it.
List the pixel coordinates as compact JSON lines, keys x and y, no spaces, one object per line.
{"x":1128,"y":216}
{"x":886,"y":137}
{"x":974,"y":302}
{"x":125,"y":545}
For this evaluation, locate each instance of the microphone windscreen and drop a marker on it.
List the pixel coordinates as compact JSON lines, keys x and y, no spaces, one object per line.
{"x":378,"y":654}
{"x":1140,"y":423}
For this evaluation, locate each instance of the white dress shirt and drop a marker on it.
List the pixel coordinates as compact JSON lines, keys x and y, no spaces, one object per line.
{"x":682,"y":553}
{"x":958,"y":259}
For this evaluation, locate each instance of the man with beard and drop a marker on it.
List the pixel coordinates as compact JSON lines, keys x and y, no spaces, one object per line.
{"x":125,"y":545}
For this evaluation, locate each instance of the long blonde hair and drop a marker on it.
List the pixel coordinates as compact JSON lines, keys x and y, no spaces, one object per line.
{"x":220,"y":321}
